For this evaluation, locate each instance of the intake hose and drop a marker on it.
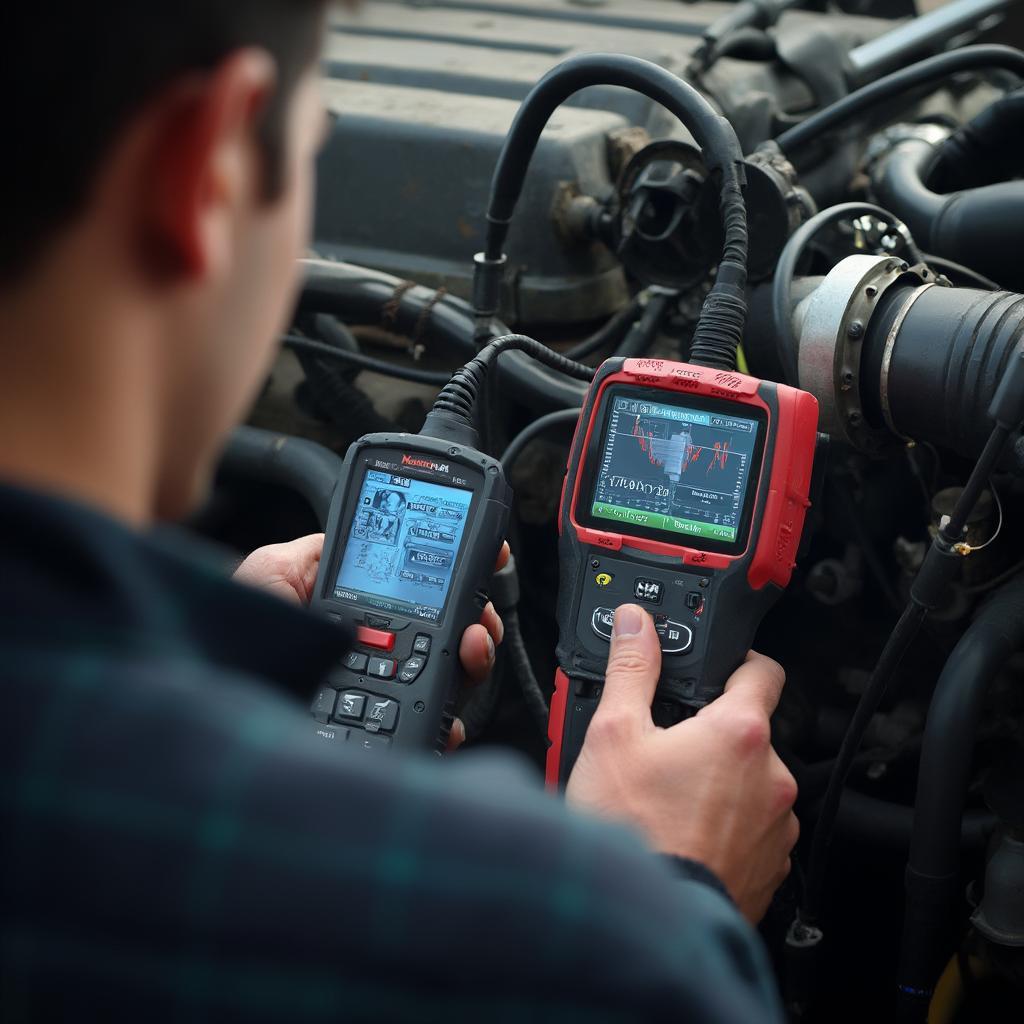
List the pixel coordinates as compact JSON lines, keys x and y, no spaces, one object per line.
{"x":294,"y":463}
{"x":932,"y":359}
{"x":934,"y":862}
{"x":979,"y":227}
{"x":358,"y":295}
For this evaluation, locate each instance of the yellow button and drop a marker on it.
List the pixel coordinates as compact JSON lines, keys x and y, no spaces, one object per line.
{"x":602,"y":579}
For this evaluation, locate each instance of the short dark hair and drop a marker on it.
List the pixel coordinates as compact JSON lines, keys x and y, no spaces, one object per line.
{"x":73,"y":72}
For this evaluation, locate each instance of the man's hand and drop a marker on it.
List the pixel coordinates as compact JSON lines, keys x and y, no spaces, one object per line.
{"x":289,"y":571}
{"x":710,"y":788}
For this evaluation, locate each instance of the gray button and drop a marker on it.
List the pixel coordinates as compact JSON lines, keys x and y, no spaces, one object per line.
{"x":355,"y":662}
{"x":382,"y":715}
{"x":602,"y":621}
{"x":421,"y":645}
{"x":350,"y":707}
{"x":675,"y":637}
{"x":323,"y":703}
{"x":411,"y":668}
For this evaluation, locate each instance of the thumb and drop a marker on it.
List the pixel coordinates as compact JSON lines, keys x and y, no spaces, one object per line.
{"x":634,"y":663}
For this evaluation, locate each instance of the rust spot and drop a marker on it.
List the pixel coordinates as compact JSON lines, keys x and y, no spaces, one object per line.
{"x":466,"y":228}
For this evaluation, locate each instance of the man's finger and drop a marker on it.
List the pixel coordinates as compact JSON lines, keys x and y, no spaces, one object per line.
{"x":491,"y":621}
{"x":457,"y":735}
{"x":758,"y":681}
{"x":503,"y":557}
{"x":634,"y":663}
{"x":476,"y":652}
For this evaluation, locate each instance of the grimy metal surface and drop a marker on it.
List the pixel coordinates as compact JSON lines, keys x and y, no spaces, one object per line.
{"x":424,"y":94}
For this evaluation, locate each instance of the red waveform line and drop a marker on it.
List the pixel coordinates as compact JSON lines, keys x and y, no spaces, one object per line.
{"x":718,"y":456}
{"x":645,"y":443}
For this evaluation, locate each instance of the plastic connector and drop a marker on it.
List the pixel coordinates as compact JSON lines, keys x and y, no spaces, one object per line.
{"x":450,"y":426}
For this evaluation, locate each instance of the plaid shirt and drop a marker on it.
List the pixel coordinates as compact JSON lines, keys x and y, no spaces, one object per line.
{"x":174,"y":844}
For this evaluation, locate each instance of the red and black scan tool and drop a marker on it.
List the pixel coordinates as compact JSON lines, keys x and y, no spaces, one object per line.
{"x":685,"y":492}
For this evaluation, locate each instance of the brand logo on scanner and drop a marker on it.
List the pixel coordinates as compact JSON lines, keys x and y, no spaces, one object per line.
{"x":420,"y":463}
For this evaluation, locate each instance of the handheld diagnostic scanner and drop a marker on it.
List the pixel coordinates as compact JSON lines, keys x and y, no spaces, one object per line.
{"x":415,"y":528}
{"x":686,"y":491}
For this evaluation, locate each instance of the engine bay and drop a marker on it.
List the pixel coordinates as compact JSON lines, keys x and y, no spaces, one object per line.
{"x":881,"y":174}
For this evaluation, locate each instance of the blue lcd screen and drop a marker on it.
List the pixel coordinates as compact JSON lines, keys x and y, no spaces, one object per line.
{"x":403,"y":545}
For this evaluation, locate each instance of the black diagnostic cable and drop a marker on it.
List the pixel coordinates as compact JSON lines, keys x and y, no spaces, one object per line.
{"x":782,"y":283}
{"x":926,"y":592}
{"x":453,"y":416}
{"x":720,"y":327}
{"x":895,"y":86}
{"x":539,"y":426}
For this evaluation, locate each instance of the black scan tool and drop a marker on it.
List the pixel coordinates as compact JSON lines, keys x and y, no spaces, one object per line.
{"x":415,"y":528}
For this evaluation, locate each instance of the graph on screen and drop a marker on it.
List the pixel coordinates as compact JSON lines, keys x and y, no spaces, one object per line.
{"x":669,"y":467}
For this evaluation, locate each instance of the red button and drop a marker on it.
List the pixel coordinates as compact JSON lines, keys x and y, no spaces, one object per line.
{"x":378,"y":638}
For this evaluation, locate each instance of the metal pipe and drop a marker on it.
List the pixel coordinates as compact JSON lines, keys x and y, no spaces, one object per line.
{"x":922,"y":35}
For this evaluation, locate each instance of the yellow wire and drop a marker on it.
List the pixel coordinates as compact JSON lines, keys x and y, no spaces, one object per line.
{"x":741,"y":360}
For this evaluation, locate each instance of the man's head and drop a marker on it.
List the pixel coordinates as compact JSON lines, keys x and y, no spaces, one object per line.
{"x":158,"y":173}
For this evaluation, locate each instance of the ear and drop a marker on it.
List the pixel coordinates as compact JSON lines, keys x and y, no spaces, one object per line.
{"x":206,"y":167}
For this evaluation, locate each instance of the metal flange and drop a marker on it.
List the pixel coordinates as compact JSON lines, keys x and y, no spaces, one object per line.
{"x":835,"y":323}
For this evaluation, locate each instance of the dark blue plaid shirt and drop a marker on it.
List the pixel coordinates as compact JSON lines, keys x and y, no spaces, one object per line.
{"x":175,"y":846}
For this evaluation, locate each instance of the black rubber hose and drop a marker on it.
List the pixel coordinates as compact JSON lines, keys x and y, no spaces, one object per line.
{"x":294,"y":463}
{"x":927,"y":591}
{"x":331,"y":389}
{"x":782,"y":284}
{"x":989,"y":148}
{"x":642,"y":334}
{"x":897,"y":182}
{"x":720,"y":328}
{"x":893,"y":87}
{"x":978,"y":226}
{"x":357,"y":295}
{"x":435,"y":378}
{"x":943,"y":779}
{"x":518,"y":444}
{"x":608,"y":334}
{"x":882,"y":823}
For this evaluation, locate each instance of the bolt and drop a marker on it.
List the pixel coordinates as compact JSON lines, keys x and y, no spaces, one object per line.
{"x":871,"y":291}
{"x":847,"y":380}
{"x":595,"y":563}
{"x":855,"y":330}
{"x":855,"y":417}
{"x":419,"y":707}
{"x":703,"y":582}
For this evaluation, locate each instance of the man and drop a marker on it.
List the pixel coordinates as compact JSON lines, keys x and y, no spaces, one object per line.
{"x":173,"y":844}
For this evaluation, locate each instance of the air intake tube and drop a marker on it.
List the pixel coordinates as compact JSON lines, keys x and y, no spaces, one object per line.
{"x":891,"y":353}
{"x":954,"y":194}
